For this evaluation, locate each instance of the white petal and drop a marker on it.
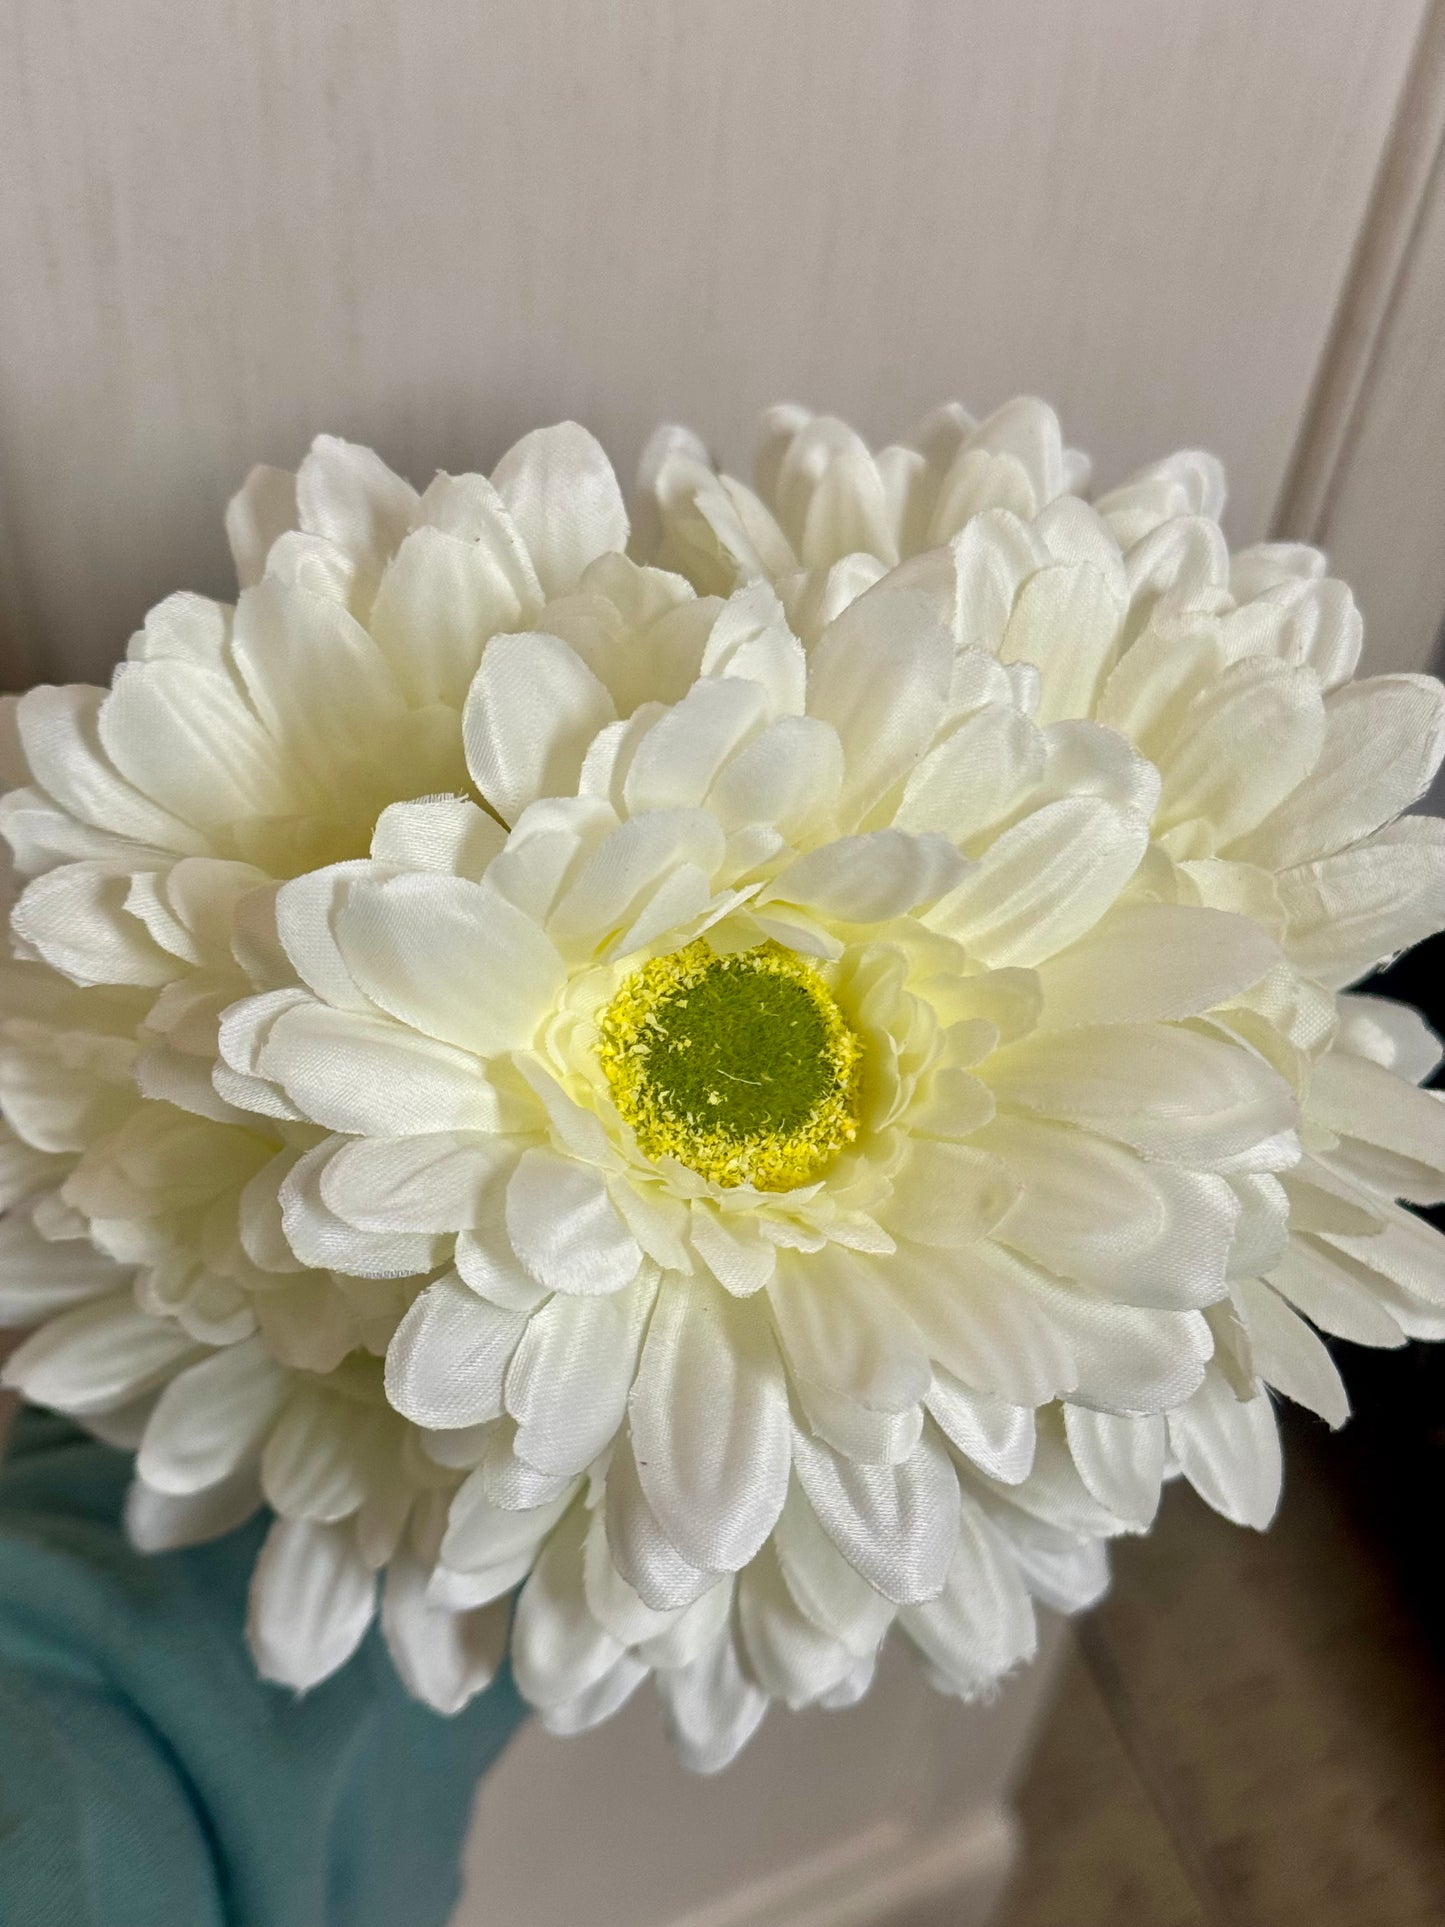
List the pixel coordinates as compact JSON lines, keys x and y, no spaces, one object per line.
{"x":643,"y":1553}
{"x":1363,"y":1101}
{"x":563,"y":497}
{"x":1044,"y":882}
{"x":60,"y":736}
{"x":513,"y":1484}
{"x":319,"y":1237}
{"x":533,"y":709}
{"x":712,"y":1708}
{"x":693,"y":1629}
{"x":1383,"y":742}
{"x":1336,"y":1294}
{"x":982,"y":1623}
{"x":1120,"y":1460}
{"x":824,"y":1586}
{"x":480,"y":1535}
{"x":1067,"y":621}
{"x":1350,"y":911}
{"x":263,"y":508}
{"x":1390,"y":1034}
{"x":164,"y":1521}
{"x":1146,"y":961}
{"x":789,"y":775}
{"x":1148,"y":1234}
{"x":1060,"y":1571}
{"x":98,"y":1356}
{"x":1244,"y":744}
{"x":448,"y":834}
{"x":751,"y":639}
{"x":448,"y":1181}
{"x":558,"y":1648}
{"x":77,"y":918}
{"x":1229,"y":1451}
{"x":709,"y":1424}
{"x":1288,"y":1355}
{"x":455,"y":959}
{"x":467,"y":1592}
{"x":316,"y":1461}
{"x":371,"y":1077}
{"x":486,"y":1261}
{"x":444,"y":1658}
{"x":611,"y":1600}
{"x":790,"y":1657}
{"x":853,"y":1430}
{"x":949,"y":1194}
{"x":599,"y":1702}
{"x":980,"y":1326}
{"x":312,"y":1599}
{"x":674,"y":764}
{"x":837,"y":1324}
{"x":185,"y":735}
{"x":1124,"y":1358}
{"x":995,"y":1434}
{"x":897,"y":1525}
{"x":39,"y":1276}
{"x":211,"y":1419}
{"x":565,"y":1228}
{"x":868,"y":879}
{"x":976,"y":777}
{"x":1168,"y":1092}
{"x":349,"y":495}
{"x":447,"y":1362}
{"x":879,"y":675}
{"x":295,"y":650}
{"x":737,"y":1256}
{"x":1409,"y":1252}
{"x":568,"y":1382}
{"x":439,"y":601}
{"x":616,"y":881}
{"x":469,"y":508}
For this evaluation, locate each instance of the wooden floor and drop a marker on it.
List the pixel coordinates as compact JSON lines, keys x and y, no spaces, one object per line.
{"x":1251,"y":1731}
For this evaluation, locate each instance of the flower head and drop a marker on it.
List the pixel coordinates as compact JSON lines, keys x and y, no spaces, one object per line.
{"x":786,"y":1109}
{"x":768,"y":1095}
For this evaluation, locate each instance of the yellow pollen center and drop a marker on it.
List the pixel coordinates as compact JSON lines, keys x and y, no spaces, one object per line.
{"x":741,"y":1067}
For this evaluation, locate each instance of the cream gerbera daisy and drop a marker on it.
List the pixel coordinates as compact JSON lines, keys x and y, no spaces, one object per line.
{"x":793,"y":1081}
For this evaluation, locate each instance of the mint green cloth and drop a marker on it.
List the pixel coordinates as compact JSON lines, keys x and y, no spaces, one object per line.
{"x":148,"y":1778}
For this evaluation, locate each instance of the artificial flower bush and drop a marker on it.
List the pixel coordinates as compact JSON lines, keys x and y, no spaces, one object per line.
{"x":765,"y":1087}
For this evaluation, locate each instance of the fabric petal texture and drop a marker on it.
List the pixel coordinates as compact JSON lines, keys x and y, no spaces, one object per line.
{"x":681,"y":1095}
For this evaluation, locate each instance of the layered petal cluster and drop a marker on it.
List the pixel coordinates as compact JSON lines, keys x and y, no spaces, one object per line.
{"x":700,"y":1383}
{"x":1283,"y":783}
{"x":767,"y":1093}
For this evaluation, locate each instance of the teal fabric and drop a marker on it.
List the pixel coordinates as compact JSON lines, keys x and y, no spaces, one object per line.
{"x":148,"y":1778}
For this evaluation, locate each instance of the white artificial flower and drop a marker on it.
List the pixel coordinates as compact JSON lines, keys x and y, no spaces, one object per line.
{"x":149,"y":825}
{"x":820,"y":1060}
{"x":799,"y":1083}
{"x":1282,"y":787}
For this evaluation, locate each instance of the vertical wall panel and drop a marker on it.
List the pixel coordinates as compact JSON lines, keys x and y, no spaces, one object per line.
{"x":430,"y":225}
{"x":1369,"y":478}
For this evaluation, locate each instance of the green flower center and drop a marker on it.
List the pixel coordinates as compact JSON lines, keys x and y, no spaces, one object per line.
{"x":741,"y":1067}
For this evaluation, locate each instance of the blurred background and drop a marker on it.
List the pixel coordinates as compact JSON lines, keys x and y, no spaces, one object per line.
{"x":432,"y":224}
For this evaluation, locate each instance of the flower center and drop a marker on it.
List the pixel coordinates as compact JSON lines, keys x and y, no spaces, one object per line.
{"x":741,"y":1067}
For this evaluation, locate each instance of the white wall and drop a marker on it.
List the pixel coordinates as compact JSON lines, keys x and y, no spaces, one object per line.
{"x":433,"y":223}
